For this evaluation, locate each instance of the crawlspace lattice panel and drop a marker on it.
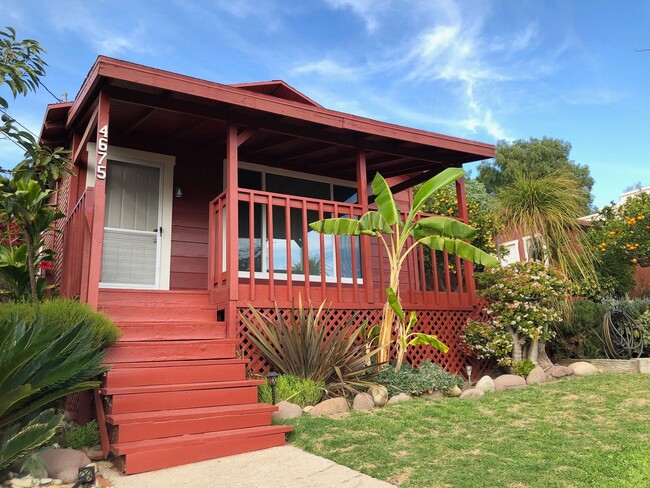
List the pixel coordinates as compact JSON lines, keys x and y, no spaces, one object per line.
{"x":447,"y":325}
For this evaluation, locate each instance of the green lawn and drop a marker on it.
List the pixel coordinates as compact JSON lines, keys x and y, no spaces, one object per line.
{"x":586,"y":432}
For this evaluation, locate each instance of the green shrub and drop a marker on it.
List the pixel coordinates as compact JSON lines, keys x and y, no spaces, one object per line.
{"x":644,"y":322}
{"x":293,"y":389}
{"x":40,"y":364}
{"x":522,"y":368}
{"x":77,"y":436}
{"x":578,"y":335}
{"x":64,"y":314}
{"x":416,"y":381}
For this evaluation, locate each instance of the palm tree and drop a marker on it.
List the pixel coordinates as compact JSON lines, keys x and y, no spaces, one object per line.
{"x":546,"y":209}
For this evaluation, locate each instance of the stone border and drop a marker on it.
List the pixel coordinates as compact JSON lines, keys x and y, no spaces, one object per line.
{"x":641,"y":365}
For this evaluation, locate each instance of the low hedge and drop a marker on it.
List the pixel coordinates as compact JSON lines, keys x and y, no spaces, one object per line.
{"x":64,"y":314}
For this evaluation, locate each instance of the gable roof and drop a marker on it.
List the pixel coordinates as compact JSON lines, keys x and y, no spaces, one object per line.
{"x":278,"y":88}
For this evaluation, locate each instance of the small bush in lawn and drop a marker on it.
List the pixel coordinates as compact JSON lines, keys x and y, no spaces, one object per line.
{"x":63,"y":315}
{"x":293,"y":389}
{"x":522,"y":368}
{"x":416,"y":381}
{"x":77,"y":436}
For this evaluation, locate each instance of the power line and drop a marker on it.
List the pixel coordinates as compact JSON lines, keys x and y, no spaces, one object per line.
{"x":50,"y":92}
{"x":14,"y":120}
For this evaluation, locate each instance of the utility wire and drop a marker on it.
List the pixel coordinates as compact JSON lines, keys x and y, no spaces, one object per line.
{"x":14,"y":120}
{"x":50,"y":92}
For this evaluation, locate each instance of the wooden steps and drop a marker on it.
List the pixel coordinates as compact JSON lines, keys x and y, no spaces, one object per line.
{"x":176,"y":393}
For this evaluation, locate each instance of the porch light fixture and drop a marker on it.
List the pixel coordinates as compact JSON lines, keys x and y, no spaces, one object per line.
{"x":271,"y":378}
{"x":178,"y":192}
{"x":468,"y":368}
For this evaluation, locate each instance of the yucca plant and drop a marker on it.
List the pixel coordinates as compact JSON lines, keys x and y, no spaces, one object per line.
{"x":39,"y":365}
{"x":306,"y":347}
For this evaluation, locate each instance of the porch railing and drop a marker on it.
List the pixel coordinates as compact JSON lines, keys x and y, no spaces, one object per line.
{"x":279,"y":256}
{"x":76,"y":247}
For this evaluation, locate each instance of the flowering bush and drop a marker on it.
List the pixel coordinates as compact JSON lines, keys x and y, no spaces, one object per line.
{"x":523,"y":304}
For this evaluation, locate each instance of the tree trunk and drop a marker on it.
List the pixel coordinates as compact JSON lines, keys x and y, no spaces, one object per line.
{"x":533,"y":350}
{"x":30,"y":266}
{"x":517,"y":350}
{"x":543,"y":359}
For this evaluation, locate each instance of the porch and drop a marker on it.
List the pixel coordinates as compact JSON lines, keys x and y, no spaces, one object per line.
{"x":192,"y":200}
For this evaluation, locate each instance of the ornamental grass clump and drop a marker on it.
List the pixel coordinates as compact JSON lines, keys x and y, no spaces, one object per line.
{"x":524,"y":301}
{"x":292,"y":389}
{"x":309,"y":345}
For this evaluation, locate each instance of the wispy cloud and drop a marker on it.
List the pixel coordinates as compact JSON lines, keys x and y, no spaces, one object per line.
{"x":329,"y":68}
{"x":370,"y":11}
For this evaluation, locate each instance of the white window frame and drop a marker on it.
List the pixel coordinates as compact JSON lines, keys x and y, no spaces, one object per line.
{"x":264,"y":170}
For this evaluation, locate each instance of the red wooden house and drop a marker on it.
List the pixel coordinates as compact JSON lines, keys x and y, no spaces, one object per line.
{"x":191,"y":200}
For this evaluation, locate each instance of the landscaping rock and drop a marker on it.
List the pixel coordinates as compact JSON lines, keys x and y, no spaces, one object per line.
{"x":536,"y":376}
{"x":558,"y":371}
{"x":58,"y":461}
{"x":308,"y":408}
{"x":472,"y":393}
{"x":329,"y":407}
{"x":583,"y":368}
{"x":94,"y":453}
{"x":379,"y":394}
{"x":455,"y":391}
{"x":363,"y":401}
{"x":46,"y":481}
{"x":287,"y":410}
{"x":69,"y":475}
{"x":400,"y":397}
{"x":434,"y":395}
{"x":486,"y":384}
{"x":508,"y":381}
{"x":25,"y":482}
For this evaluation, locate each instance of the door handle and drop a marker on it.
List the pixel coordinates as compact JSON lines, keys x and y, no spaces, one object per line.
{"x":159,"y":230}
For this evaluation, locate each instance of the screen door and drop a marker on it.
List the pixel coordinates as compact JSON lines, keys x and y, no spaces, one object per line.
{"x":132,"y":226}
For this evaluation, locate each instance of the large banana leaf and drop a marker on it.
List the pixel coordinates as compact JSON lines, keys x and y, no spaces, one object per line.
{"x":431,"y":186}
{"x":444,"y":226}
{"x":460,"y":248}
{"x":385,"y":200}
{"x":421,"y":339}
{"x":372,"y":223}
{"x":341,"y":226}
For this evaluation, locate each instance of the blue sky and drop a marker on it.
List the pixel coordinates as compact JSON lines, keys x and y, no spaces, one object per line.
{"x":479,"y":70}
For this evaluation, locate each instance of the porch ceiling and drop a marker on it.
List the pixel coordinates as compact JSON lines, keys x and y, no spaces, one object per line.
{"x":287,"y":129}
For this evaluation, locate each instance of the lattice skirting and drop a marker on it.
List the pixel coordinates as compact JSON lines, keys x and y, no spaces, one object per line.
{"x":447,"y":325}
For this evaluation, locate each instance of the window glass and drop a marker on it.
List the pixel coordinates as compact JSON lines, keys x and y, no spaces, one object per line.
{"x":345,"y":194}
{"x":250,"y":179}
{"x":297,"y":186}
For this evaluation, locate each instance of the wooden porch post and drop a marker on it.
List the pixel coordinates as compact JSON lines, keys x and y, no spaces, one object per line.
{"x":232,"y":226}
{"x":364,"y":241}
{"x":462,"y":215}
{"x":97,"y":237}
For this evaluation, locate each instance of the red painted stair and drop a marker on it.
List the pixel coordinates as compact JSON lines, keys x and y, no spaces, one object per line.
{"x":176,"y":393}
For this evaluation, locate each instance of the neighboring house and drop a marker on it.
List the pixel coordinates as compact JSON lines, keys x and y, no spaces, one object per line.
{"x":190,"y":201}
{"x":515,"y":247}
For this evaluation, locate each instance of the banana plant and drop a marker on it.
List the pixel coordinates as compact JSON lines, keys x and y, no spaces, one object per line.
{"x":399,"y":238}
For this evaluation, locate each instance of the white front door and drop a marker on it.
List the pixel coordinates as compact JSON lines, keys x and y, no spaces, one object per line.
{"x":133,"y":225}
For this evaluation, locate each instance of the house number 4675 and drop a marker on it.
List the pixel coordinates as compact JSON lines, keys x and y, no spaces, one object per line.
{"x":102,"y":152}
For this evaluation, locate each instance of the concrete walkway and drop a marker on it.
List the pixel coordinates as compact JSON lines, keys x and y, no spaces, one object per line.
{"x":278,"y":467}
